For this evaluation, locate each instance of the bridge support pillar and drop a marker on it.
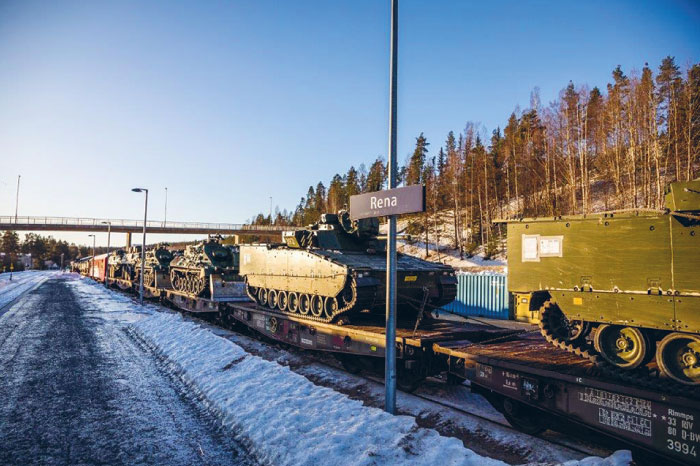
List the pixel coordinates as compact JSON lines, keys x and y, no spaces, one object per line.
{"x":236,"y":239}
{"x":128,"y":240}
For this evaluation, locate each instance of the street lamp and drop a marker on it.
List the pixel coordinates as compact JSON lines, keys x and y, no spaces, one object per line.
{"x":143,"y":244}
{"x":165,"y":215}
{"x":17,"y":197}
{"x":92,"y":260}
{"x":109,"y":233}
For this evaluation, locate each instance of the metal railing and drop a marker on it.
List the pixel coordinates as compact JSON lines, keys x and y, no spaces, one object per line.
{"x":99,"y":222}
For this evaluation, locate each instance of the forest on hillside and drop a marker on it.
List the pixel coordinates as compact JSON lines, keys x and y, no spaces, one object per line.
{"x":589,"y":150}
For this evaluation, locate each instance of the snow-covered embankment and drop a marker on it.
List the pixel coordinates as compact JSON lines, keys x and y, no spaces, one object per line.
{"x":282,"y":416}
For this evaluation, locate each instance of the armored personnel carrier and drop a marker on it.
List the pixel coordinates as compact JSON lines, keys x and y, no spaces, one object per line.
{"x":129,"y":261}
{"x":622,"y":286}
{"x":115,"y":263}
{"x":336,"y":268}
{"x":157,"y":268}
{"x":205,"y":269}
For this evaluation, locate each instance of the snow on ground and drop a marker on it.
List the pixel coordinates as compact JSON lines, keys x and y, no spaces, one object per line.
{"x":285,"y":418}
{"x":281,"y":416}
{"x":441,"y":247}
{"x":20,"y":283}
{"x":450,"y":256}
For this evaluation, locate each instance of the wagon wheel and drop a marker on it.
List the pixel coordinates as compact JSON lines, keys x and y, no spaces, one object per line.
{"x":282,"y":301}
{"x":523,"y":417}
{"x":316,"y":305}
{"x":330,"y":306}
{"x":624,"y":347}
{"x":678,"y":357}
{"x":292,"y":302}
{"x":304,"y":303}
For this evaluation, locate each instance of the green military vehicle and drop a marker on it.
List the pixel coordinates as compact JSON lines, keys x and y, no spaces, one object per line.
{"x":115,"y":263}
{"x":157,"y":268}
{"x":207,"y":269}
{"x":337,"y":267}
{"x":623,"y":285}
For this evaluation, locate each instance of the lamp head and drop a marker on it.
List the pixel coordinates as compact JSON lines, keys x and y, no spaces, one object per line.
{"x":138,"y":190}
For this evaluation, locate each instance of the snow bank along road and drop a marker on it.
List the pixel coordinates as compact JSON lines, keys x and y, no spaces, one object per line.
{"x":281,"y":417}
{"x":21,"y":283}
{"x":76,"y":389}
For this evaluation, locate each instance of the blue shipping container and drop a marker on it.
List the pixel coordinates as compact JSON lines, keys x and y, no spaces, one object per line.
{"x":484,"y":295}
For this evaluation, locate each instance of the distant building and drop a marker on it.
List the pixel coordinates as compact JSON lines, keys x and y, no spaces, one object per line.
{"x":25,"y":260}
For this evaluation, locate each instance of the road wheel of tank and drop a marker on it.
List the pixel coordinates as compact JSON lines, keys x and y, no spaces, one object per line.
{"x":282,"y":301}
{"x":292,"y":302}
{"x":330,"y":306}
{"x":522,"y":417}
{"x":304,"y":303}
{"x":624,"y":347}
{"x":678,"y":357}
{"x":555,"y":325}
{"x":262,"y":296}
{"x":200,"y":284}
{"x":272,"y":299}
{"x":316,"y":305}
{"x":251,"y":291}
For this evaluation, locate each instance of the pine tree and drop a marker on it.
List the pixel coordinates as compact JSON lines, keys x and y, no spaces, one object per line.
{"x":376,"y":176}
{"x":414,"y":170}
{"x":352,"y":184}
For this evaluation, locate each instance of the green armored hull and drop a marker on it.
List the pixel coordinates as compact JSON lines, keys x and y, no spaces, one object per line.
{"x":620,"y":284}
{"x":202,"y":267}
{"x":156,"y":271}
{"x":335,"y":268}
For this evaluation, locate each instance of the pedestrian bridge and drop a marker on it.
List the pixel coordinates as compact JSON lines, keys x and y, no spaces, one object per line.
{"x":134,"y":226}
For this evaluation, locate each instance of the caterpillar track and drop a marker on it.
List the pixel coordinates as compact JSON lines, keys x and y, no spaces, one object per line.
{"x":189,"y":282}
{"x":641,"y":376}
{"x":332,"y":309}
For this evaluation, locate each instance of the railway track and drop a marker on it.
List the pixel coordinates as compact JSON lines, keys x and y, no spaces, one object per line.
{"x":479,"y":415}
{"x":332,"y":364}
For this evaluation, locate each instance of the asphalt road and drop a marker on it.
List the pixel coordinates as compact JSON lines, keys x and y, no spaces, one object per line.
{"x":76,"y":389}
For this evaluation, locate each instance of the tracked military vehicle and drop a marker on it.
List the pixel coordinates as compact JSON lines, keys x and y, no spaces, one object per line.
{"x":157,"y":267}
{"x":336,"y":268}
{"x":206,"y":269}
{"x":115,"y":263}
{"x":621,"y":286}
{"x":130,"y":259}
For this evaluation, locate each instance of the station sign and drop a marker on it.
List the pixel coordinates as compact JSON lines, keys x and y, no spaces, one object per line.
{"x":404,"y":200}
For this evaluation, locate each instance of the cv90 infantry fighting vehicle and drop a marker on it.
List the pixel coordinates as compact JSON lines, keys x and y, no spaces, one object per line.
{"x":207,"y":269}
{"x":337,"y":267}
{"x":624,"y":286}
{"x":157,"y":267}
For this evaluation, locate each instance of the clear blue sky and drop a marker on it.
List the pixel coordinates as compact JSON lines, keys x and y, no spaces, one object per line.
{"x":229,"y":103}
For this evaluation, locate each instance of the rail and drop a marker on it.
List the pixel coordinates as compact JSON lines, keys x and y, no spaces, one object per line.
{"x":124,"y":223}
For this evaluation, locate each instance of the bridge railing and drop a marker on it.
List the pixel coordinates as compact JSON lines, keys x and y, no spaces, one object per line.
{"x":81,"y":221}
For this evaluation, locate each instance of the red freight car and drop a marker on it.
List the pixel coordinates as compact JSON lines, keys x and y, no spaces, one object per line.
{"x":99,"y":267}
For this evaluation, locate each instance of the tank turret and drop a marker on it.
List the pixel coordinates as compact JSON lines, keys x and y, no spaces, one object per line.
{"x":335,"y":268}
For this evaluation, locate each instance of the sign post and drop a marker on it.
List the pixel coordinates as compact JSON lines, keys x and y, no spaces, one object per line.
{"x":390,"y":361}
